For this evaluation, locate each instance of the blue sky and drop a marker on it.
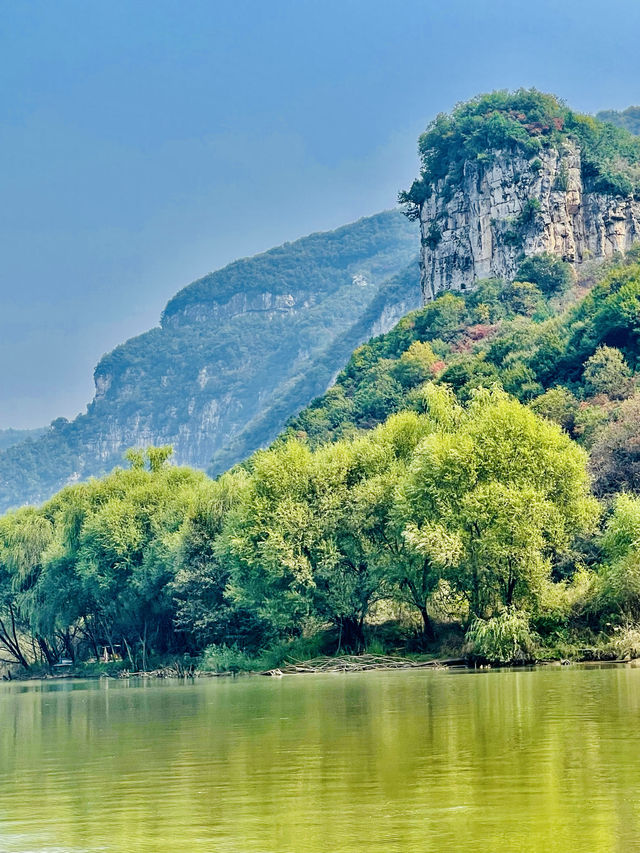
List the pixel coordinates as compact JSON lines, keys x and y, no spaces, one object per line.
{"x":145,"y":143}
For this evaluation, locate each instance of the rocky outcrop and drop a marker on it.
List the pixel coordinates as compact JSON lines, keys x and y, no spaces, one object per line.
{"x":508,"y":206}
{"x":240,"y":303}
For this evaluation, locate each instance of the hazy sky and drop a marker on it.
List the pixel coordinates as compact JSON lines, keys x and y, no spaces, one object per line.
{"x":144,"y":144}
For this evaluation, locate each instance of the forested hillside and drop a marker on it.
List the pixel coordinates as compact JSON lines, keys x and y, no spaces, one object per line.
{"x":569,"y":350}
{"x":236,"y":354}
{"x":9,"y":437}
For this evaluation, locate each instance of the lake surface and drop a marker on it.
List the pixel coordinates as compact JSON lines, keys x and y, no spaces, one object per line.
{"x":543,"y":760}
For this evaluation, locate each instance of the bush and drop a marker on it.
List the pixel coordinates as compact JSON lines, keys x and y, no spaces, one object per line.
{"x":557,"y":404}
{"x":615,"y":458}
{"x":434,"y":236}
{"x":529,"y":212}
{"x":231,"y":659}
{"x":506,"y":638}
{"x":606,"y":372}
{"x":521,"y":297}
{"x":626,"y":642}
{"x":548,"y":272}
{"x":228,"y":659}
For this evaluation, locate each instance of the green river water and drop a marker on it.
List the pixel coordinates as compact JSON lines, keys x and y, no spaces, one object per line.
{"x":542,"y":760}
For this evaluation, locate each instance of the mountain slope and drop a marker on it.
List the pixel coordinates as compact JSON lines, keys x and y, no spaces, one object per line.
{"x":236,"y":354}
{"x":572,"y":354}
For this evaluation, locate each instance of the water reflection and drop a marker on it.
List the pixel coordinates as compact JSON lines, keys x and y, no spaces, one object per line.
{"x":537,"y":761}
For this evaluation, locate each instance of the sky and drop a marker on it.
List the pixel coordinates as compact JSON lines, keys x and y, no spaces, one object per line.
{"x":145,"y":143}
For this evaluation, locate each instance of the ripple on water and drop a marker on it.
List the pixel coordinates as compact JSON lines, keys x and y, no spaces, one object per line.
{"x":544,"y":760}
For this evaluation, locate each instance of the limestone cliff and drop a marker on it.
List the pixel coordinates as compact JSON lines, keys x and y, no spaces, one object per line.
{"x":514,"y":206}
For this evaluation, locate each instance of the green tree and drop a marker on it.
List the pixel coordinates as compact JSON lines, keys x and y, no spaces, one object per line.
{"x":619,"y":580}
{"x":615,"y":455}
{"x":559,"y":405}
{"x":549,"y":273}
{"x":606,"y":372}
{"x":493,"y":500}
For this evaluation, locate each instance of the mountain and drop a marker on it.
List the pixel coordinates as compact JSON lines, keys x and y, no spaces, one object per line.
{"x":478,"y":463}
{"x":525,"y":208}
{"x":236,"y":353}
{"x":504,"y":177}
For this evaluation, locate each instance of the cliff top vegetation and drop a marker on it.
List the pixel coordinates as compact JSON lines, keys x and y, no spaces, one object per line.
{"x":525,"y":121}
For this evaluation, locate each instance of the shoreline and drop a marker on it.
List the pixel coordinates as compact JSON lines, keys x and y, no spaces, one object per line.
{"x":342,"y":664}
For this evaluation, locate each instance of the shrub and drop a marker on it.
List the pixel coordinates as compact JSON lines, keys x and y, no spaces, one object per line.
{"x":506,"y":638}
{"x":615,"y":458}
{"x":548,"y":272}
{"x":606,"y":372}
{"x":434,"y":235}
{"x":521,"y":297}
{"x":562,"y":179}
{"x":626,"y":641}
{"x":558,"y":405}
{"x":619,"y":581}
{"x":529,"y":212}
{"x":221,"y":658}
{"x":588,"y":424}
{"x":228,"y":659}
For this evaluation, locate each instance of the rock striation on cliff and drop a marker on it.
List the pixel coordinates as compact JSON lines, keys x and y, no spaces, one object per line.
{"x":519,"y":206}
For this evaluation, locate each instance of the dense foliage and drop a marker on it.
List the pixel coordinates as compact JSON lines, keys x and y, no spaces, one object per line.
{"x":525,"y":121}
{"x":230,"y":362}
{"x":158,"y":559}
{"x":572,"y":359}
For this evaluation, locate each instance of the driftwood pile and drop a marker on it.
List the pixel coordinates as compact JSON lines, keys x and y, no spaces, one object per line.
{"x":176,"y":670}
{"x":359,"y":663}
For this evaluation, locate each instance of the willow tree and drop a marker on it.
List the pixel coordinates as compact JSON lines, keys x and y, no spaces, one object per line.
{"x":494,"y":498}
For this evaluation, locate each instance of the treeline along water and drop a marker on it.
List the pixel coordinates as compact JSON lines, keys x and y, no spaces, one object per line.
{"x":543,"y":760}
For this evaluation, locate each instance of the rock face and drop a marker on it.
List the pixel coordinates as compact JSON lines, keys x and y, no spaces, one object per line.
{"x":511,"y":205}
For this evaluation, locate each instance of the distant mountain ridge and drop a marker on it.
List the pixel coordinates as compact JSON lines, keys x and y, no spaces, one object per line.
{"x":237,"y":353}
{"x":10,"y":437}
{"x":628,"y":119}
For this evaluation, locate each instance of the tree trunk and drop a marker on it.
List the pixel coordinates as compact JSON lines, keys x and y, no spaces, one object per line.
{"x":427,"y":624}
{"x":46,"y":651}
{"x":351,"y":634}
{"x":12,"y":646}
{"x":89,"y":633}
{"x":68,"y":644}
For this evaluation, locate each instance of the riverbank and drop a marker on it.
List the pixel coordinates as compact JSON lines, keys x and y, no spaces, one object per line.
{"x":320,"y":665}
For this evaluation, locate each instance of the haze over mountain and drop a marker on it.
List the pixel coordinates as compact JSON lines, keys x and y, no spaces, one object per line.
{"x":236,"y":354}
